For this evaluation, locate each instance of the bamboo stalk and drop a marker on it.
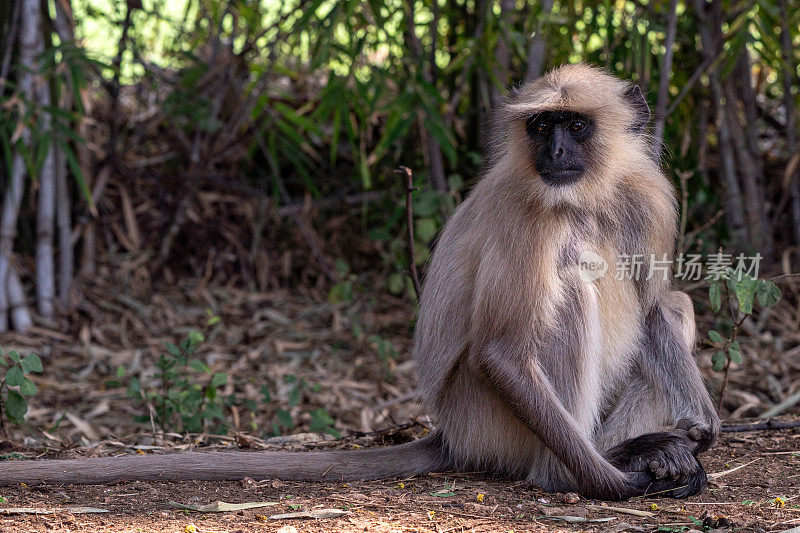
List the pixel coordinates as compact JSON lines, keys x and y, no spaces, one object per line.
{"x":538,"y":44}
{"x":8,"y":233}
{"x":32,"y":43}
{"x":663,"y":83}
{"x":20,"y":315}
{"x":63,"y":24}
{"x":12,"y":297}
{"x":750,"y":177}
{"x":789,"y":78}
{"x":45,"y":222}
{"x":64,"y":220}
{"x":734,"y":207}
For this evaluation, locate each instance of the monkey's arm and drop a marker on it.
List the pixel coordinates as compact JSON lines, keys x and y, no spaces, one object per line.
{"x":515,"y":377}
{"x":665,"y":388}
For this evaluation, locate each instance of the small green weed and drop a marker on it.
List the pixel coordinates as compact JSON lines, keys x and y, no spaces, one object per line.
{"x":186,"y":393}
{"x":738,"y":291}
{"x":15,"y":386}
{"x":321,"y":420}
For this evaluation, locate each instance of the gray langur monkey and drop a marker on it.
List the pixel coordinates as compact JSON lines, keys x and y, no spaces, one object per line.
{"x":530,"y":369}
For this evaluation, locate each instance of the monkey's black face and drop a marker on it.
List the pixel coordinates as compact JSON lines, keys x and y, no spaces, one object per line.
{"x":560,"y":145}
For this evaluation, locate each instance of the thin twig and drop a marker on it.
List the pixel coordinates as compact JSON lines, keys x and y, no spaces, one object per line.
{"x":699,"y":71}
{"x":717,"y":475}
{"x":689,"y":237}
{"x":683,"y":176}
{"x":728,"y":343}
{"x":767,"y":425}
{"x":409,"y":186}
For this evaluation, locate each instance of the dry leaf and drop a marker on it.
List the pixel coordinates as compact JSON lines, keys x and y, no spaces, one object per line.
{"x":34,"y":510}
{"x":222,"y":507}
{"x":83,"y":426}
{"x":316,"y":513}
{"x":575,"y":519}
{"x":623,"y":510}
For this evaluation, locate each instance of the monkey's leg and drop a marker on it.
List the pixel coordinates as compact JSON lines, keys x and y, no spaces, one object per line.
{"x":514,"y":375}
{"x":666,"y":391}
{"x":667,"y":365}
{"x":638,"y":438}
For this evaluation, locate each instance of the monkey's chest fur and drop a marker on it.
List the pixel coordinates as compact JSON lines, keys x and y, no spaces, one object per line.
{"x":583,"y":335}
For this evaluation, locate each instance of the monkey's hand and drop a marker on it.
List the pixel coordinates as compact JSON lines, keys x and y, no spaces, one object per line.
{"x":701,"y":434}
{"x":661,"y":463}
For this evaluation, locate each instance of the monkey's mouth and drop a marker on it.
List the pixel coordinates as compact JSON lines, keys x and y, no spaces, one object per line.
{"x":561,"y":176}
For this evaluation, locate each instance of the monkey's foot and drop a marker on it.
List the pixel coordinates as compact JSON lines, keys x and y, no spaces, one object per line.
{"x":661,"y":463}
{"x":683,"y":487}
{"x":700,"y":434}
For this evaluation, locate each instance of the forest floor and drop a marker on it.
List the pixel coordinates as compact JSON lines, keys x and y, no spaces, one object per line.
{"x":290,"y":356}
{"x":763,"y":495}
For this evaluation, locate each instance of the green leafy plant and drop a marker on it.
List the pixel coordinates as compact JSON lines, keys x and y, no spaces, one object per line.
{"x":445,"y":492}
{"x":344,"y":290}
{"x":285,"y":421}
{"x":321,"y":420}
{"x":386,"y":352}
{"x":16,"y":386}
{"x":187,"y":395}
{"x":733,"y":295}
{"x":13,"y":456}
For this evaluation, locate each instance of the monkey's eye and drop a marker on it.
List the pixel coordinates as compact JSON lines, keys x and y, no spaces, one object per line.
{"x":538,"y":126}
{"x":577,"y":126}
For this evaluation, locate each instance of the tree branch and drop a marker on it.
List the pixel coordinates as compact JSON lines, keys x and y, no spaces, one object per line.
{"x":409,"y":188}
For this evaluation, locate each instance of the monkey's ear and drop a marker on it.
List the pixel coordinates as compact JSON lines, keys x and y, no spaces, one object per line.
{"x":633,"y":95}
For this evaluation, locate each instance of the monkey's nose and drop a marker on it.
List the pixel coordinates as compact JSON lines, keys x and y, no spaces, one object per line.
{"x":556,"y":146}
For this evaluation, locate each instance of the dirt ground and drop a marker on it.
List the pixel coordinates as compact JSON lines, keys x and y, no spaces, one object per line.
{"x":350,"y":360}
{"x":762,"y":495}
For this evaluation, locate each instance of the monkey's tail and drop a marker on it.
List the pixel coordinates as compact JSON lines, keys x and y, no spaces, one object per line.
{"x":421,"y":456}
